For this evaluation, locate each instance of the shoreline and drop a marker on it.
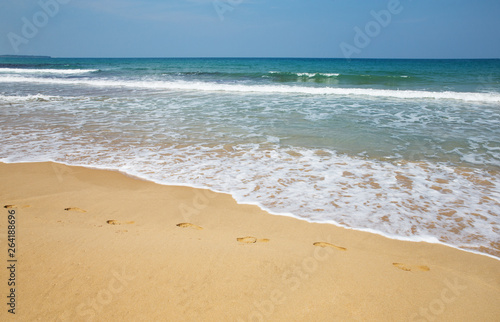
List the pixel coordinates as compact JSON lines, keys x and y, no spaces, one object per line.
{"x":102,"y":244}
{"x":413,"y":239}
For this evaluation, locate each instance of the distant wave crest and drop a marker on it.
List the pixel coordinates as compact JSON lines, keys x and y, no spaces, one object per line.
{"x":46,"y":71}
{"x":309,"y":75}
{"x":283,"y":89}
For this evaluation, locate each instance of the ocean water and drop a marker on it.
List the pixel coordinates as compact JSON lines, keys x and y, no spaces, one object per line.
{"x":406,"y":148}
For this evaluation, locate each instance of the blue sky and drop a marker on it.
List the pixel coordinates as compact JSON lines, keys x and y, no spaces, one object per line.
{"x":251,"y":28}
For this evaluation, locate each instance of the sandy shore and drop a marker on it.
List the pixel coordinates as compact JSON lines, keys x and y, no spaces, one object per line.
{"x":94,"y":245}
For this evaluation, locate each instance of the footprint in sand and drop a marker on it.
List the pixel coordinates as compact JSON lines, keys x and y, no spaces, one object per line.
{"x":247,"y":240}
{"x":15,"y":206}
{"x":251,"y":240}
{"x":409,"y":268}
{"x":324,"y":244}
{"x":189,"y":225}
{"x":116,"y":222}
{"x":75,"y":209}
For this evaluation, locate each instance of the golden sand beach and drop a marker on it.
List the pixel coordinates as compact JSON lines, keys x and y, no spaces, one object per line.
{"x":97,"y":245}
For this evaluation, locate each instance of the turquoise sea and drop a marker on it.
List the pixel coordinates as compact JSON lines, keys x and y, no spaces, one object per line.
{"x":405,"y":148}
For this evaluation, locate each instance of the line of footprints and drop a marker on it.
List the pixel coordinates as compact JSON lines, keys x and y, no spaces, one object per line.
{"x":245,"y":240}
{"x":252,"y":240}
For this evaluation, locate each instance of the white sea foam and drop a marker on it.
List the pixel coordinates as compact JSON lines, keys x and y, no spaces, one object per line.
{"x":311,"y":75}
{"x":27,"y":98}
{"x":45,"y":71}
{"x":175,"y":139}
{"x":283,"y":89}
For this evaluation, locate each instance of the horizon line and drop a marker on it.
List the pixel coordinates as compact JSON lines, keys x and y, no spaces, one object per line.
{"x":232,"y":57}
